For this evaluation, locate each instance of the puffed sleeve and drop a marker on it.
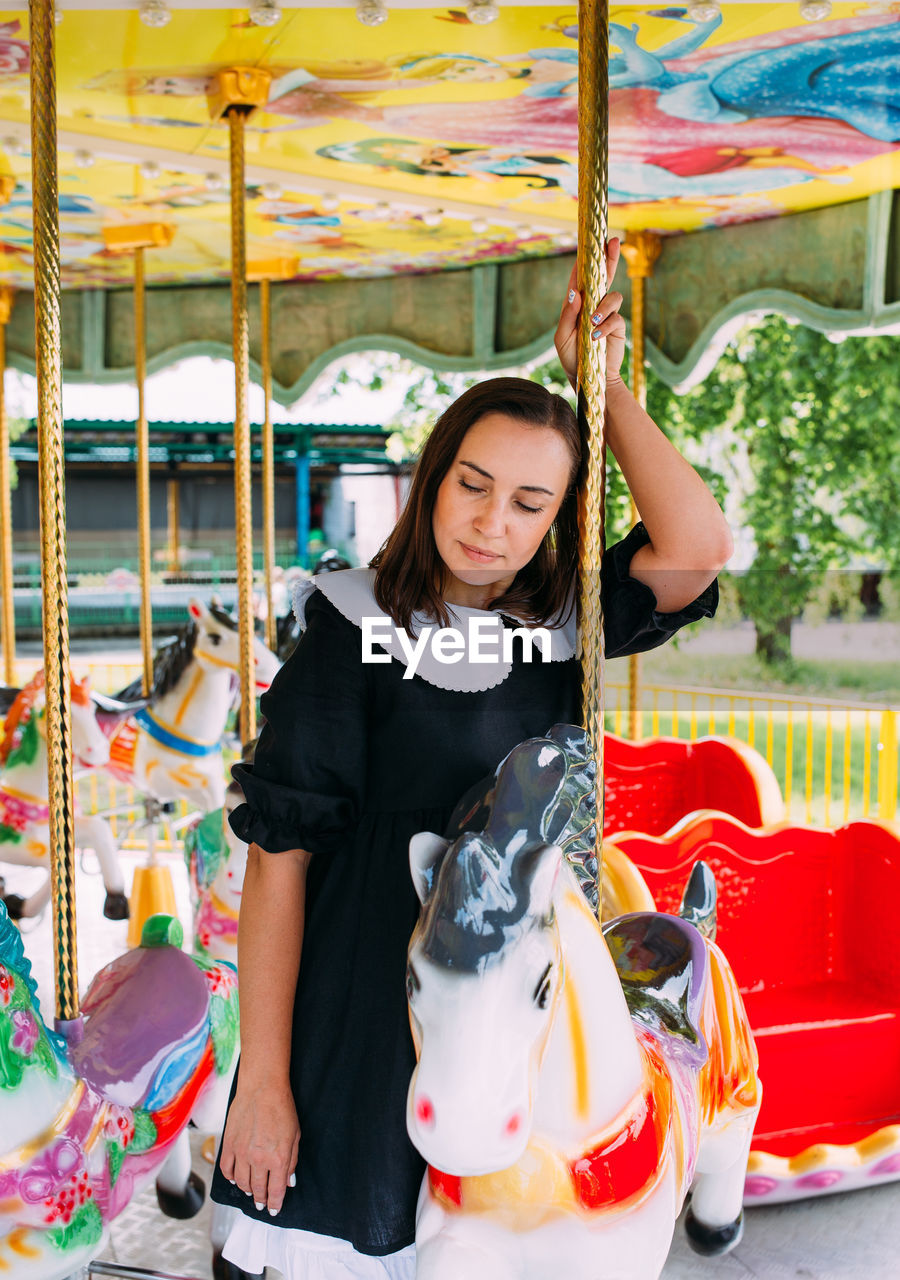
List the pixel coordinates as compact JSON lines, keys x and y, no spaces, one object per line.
{"x":306,"y":785}
{"x":631,"y":621}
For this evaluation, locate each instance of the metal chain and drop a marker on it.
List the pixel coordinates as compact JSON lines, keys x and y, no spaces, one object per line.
{"x":242,"y":476}
{"x":54,"y":588}
{"x":593,"y":158}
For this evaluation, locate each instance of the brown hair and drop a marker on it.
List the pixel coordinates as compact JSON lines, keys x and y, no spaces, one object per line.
{"x":409,"y":572}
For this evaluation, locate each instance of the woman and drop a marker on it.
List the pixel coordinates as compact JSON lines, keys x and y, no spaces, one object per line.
{"x":356,"y":756}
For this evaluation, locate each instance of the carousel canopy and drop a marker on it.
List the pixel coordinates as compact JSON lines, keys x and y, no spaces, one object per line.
{"x":763,"y":147}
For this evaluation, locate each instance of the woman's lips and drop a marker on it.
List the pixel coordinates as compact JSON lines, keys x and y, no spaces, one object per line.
{"x":480,"y":557}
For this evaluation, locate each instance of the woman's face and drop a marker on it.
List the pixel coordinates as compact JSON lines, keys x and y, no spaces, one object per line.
{"x":496,"y":503}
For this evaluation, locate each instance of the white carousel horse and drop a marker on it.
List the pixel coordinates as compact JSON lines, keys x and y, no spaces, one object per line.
{"x":172,"y":748}
{"x":83,"y":1126}
{"x":572,"y":1084}
{"x":24,"y":805}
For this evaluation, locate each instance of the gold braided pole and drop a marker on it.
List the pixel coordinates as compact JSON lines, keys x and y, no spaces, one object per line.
{"x":7,"y":604}
{"x":234,"y":92}
{"x":143,"y":471}
{"x":240,"y":333}
{"x":268,"y":465}
{"x":54,"y":590}
{"x":640,"y":251}
{"x":593,"y":156}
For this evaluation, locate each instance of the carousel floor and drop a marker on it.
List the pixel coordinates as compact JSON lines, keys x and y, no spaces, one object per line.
{"x":850,"y":1236}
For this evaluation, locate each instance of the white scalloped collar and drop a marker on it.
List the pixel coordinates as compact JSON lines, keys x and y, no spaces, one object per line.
{"x":351,"y":591}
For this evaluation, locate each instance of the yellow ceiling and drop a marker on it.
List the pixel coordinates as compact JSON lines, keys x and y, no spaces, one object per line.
{"x":369,"y":132}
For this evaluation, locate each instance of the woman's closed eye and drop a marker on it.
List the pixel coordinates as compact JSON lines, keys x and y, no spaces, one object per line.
{"x":473,"y":488}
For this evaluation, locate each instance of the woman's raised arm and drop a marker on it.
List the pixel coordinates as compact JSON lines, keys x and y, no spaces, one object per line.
{"x":689,"y":538}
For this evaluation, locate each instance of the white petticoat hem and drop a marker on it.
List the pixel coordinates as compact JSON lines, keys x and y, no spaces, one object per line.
{"x":304,"y":1255}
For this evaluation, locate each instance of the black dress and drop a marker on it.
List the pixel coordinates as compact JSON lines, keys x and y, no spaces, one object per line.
{"x":351,"y":762}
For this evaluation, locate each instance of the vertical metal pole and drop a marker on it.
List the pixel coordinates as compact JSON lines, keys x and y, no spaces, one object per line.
{"x":143,"y":472}
{"x":242,"y":476}
{"x":593,"y":157}
{"x":7,"y":605}
{"x":640,"y":251}
{"x":54,"y":587}
{"x":173,"y":518}
{"x":268,"y":465}
{"x":302,"y":501}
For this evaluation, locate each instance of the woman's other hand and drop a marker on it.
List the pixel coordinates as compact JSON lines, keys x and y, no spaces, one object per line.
{"x":606,"y":322}
{"x":260,"y":1145}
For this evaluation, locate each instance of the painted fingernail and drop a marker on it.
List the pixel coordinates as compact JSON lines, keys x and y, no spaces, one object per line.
{"x":273,"y":1213}
{"x":248,"y":1193}
{"x":258,"y":1205}
{"x":571,"y":295}
{"x":292,"y":1180}
{"x":232,"y":1181}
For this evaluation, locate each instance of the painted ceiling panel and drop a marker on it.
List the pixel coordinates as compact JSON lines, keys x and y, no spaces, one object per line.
{"x":369,"y":133}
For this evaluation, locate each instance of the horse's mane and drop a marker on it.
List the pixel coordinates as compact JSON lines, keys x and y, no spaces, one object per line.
{"x":169,"y":664}
{"x":541,"y":794}
{"x":571,"y":820}
{"x":12,"y":954}
{"x":222,"y":616}
{"x":20,"y":712}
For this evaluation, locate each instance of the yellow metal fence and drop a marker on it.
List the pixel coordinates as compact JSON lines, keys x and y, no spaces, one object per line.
{"x":835,"y":761}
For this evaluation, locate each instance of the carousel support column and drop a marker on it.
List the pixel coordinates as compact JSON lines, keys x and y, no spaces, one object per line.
{"x":7,"y":605}
{"x":641,"y":250}
{"x":301,"y":467}
{"x":173,"y":518}
{"x":264,"y":272}
{"x":236,"y":92}
{"x":152,"y":890}
{"x":593,"y":158}
{"x":51,"y":483}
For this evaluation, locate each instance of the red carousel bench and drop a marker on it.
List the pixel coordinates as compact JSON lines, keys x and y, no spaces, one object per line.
{"x":808,"y":920}
{"x":653,"y":783}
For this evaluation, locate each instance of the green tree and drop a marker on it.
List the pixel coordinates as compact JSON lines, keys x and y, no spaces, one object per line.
{"x":809,"y":425}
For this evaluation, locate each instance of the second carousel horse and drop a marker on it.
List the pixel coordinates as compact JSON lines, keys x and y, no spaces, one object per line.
{"x":83,"y":1126}
{"x":172,"y":748}
{"x":24,"y":804}
{"x":572,"y":1083}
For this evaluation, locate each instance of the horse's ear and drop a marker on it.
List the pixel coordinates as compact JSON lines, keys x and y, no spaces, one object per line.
{"x":197,"y":609}
{"x":426,"y":852}
{"x":546,"y":863}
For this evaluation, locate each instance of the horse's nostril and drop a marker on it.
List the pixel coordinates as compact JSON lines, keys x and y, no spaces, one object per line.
{"x":424,"y":1111}
{"x":514,"y":1124}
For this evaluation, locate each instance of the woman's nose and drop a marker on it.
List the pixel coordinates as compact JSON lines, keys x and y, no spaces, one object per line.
{"x":490,"y":520}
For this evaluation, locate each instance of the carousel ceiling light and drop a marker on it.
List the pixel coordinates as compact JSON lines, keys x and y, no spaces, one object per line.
{"x":155,"y":13}
{"x":265,"y":13}
{"x":815,"y":10}
{"x":83,"y":158}
{"x":480,"y":226}
{"x":12,"y":145}
{"x":213,"y":181}
{"x":149,"y":169}
{"x":382,"y":209}
{"x":58,"y":15}
{"x":271,"y":190}
{"x":371,"y":13}
{"x":433,"y":217}
{"x":330,"y":202}
{"x":482,"y":12}
{"x":704,"y":10}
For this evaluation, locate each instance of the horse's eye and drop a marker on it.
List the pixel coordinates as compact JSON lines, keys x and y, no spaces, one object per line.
{"x":412,"y":982}
{"x":214,"y":638}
